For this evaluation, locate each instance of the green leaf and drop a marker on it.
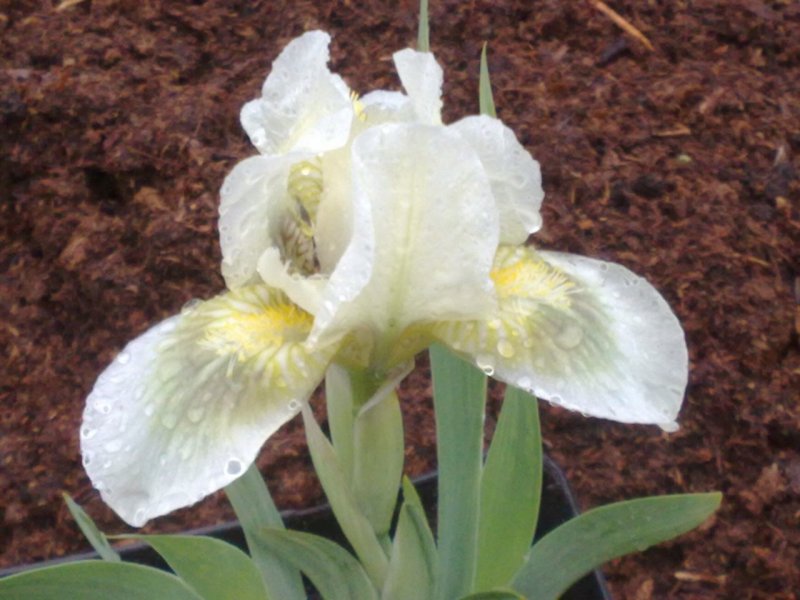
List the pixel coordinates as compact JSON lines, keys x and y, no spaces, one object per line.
{"x":485,"y":99}
{"x":95,"y":580}
{"x":332,"y":570}
{"x":575,"y":548}
{"x":423,"y":35}
{"x":255,"y":510}
{"x":214,"y":569}
{"x":341,"y":416}
{"x":356,"y":527}
{"x":459,"y":397}
{"x":510,"y":491}
{"x":96,"y":538}
{"x":497,"y":594}
{"x":412,"y":568}
{"x":378,"y":459}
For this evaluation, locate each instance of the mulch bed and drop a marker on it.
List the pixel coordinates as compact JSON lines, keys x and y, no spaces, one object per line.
{"x":119,"y":120}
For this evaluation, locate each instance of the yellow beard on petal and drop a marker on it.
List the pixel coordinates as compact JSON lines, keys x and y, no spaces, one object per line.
{"x":522,"y":274}
{"x":244,"y":329}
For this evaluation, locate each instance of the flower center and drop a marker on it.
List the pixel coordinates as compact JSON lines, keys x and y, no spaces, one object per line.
{"x":304,"y":185}
{"x":521,"y":274}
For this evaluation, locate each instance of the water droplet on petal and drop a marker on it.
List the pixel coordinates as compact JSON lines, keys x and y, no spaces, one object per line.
{"x":505,"y":349}
{"x":233,"y":467}
{"x":169,"y":420}
{"x":670,"y":427}
{"x":148,"y":410}
{"x":87,"y":459}
{"x":569,"y":336}
{"x":190,"y":305}
{"x":87,"y":433}
{"x":124,"y":358}
{"x":484,"y":363}
{"x":294,"y":405}
{"x":195,"y":414}
{"x":112,"y":446}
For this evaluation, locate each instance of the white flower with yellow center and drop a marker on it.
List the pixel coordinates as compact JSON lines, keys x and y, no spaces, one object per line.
{"x":362,"y":232}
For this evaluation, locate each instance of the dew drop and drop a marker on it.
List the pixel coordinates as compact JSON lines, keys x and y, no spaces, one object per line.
{"x":190,"y":305}
{"x":112,"y":446}
{"x":195,"y":414}
{"x":87,"y":459}
{"x":294,"y":405}
{"x":670,"y":427}
{"x":505,"y":349}
{"x":233,"y":467}
{"x":169,"y":420}
{"x":102,"y":407}
{"x":484,"y":363}
{"x":525,"y":384}
{"x":87,"y":433}
{"x":569,"y":336}
{"x":124,"y":358}
{"x":148,"y":410}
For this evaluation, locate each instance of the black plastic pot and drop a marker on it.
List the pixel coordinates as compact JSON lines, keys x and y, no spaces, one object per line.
{"x":558,"y":505}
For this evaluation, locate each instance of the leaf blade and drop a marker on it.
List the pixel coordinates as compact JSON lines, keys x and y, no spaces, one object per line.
{"x":459,"y":396}
{"x":575,"y":548}
{"x":255,"y":510}
{"x":333,"y":571}
{"x":94,"y":536}
{"x":508,"y":520}
{"x":485,"y":97}
{"x":95,"y":580}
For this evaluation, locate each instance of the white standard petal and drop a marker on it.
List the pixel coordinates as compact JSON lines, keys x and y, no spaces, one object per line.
{"x":424,"y":235}
{"x":514,"y":175}
{"x":303,"y":105}
{"x":185,"y":407}
{"x":422,"y":79}
{"x":254,"y":204}
{"x":582,"y":333}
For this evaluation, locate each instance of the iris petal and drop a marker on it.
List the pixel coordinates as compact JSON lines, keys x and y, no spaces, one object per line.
{"x":186,"y":406}
{"x":422,"y":79}
{"x":583,"y":333}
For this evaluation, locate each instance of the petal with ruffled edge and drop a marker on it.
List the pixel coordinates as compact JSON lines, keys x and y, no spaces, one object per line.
{"x":582,"y":333}
{"x":513,"y":174}
{"x":422,"y":79}
{"x":254,"y":203}
{"x":424,"y":235}
{"x":303,"y":105}
{"x":185,"y":407}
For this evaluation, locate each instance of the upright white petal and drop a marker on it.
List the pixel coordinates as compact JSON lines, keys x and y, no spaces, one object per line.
{"x":424,"y":235}
{"x":586,"y":334}
{"x":422,"y":79}
{"x":513,"y":174}
{"x":303,"y":105}
{"x":184,"y":408}
{"x":254,"y":202}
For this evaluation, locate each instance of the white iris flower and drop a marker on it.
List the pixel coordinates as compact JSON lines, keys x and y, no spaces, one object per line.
{"x":363,"y":231}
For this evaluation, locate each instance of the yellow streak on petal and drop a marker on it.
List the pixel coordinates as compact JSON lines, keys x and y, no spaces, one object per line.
{"x":358,"y":106}
{"x":522,"y":274}
{"x":245,"y":334}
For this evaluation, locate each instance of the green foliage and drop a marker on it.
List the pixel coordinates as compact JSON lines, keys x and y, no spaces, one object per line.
{"x":459,"y":395}
{"x":332,"y":570}
{"x":485,"y":98}
{"x":95,"y":580}
{"x":214,"y":569}
{"x":423,"y":35}
{"x":94,"y":536}
{"x":255,"y":510}
{"x":575,"y":548}
{"x":510,"y":491}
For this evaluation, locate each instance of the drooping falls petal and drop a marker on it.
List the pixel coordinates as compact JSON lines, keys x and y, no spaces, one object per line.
{"x":425,"y":231}
{"x":422,"y":79}
{"x":186,"y":406}
{"x":585,"y":334}
{"x":514,"y":175}
{"x":303,"y":107}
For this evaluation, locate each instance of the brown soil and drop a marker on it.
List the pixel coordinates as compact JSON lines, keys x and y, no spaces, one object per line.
{"x":119,"y":120}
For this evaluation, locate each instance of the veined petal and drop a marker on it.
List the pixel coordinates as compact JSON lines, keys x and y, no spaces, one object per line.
{"x":424,"y":235}
{"x":254,"y":201}
{"x":303,"y":105}
{"x":583,"y":333}
{"x":422,"y":79}
{"x":513,"y":174}
{"x":185,"y":407}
